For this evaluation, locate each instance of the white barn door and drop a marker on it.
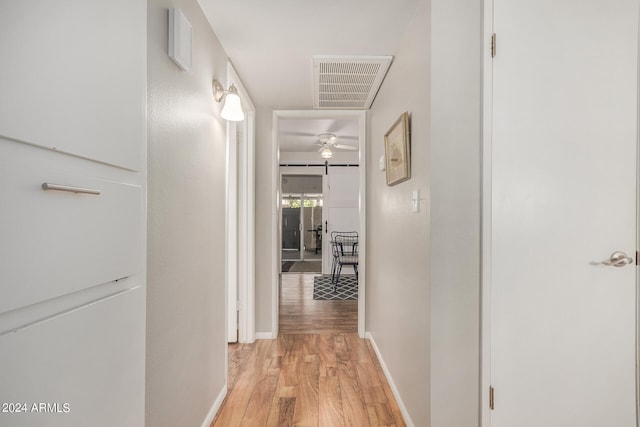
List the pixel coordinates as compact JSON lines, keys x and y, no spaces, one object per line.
{"x":340,"y":208}
{"x":563,"y":199}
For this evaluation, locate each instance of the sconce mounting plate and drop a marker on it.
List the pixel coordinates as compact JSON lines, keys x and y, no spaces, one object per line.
{"x":218,"y":90}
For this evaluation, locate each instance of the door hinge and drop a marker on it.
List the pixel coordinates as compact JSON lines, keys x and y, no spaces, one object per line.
{"x":637,"y":257}
{"x":493,"y":45}
{"x":491,"y":401}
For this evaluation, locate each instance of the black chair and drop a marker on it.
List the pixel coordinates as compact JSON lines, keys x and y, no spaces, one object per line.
{"x":344,"y":247}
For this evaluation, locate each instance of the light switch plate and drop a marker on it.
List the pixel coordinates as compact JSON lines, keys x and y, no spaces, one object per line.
{"x":382,"y":163}
{"x":415,"y":201}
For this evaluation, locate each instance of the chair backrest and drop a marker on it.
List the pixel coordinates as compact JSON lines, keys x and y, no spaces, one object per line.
{"x":344,"y":243}
{"x":352,"y":234}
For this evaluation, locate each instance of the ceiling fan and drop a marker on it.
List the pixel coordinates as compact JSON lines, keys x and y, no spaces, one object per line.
{"x":328,"y":141}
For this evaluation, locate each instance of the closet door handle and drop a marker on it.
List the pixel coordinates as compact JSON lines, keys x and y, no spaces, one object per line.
{"x":79,"y":190}
{"x":618,"y":259}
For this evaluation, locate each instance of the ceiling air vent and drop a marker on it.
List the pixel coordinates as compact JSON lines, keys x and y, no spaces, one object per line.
{"x":347,"y":82}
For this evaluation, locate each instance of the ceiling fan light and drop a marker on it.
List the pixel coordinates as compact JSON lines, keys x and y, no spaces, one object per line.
{"x":326,"y":153}
{"x":327,"y":138}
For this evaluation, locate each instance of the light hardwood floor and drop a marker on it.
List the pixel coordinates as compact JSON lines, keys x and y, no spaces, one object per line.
{"x":318,"y":375}
{"x":300,"y":313}
{"x":318,"y":380}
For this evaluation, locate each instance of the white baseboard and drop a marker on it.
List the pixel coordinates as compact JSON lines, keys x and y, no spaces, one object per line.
{"x":394,"y":389}
{"x":216,"y":405}
{"x":264,"y":335}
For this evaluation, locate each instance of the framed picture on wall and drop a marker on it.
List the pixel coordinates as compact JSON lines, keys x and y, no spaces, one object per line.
{"x":397,"y":151}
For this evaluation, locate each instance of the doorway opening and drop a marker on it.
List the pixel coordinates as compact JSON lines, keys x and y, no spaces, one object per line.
{"x":304,"y":218}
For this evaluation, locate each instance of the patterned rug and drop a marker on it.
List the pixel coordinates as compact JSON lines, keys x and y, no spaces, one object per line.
{"x":347,"y":288}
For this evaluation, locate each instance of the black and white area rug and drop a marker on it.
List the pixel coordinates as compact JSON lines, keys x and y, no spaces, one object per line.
{"x":347,"y":288}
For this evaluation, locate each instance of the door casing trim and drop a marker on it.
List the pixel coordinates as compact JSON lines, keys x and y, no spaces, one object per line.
{"x":485,"y":215}
{"x":240,"y":221}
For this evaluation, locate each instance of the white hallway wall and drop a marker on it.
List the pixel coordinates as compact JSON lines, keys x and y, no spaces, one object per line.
{"x":454,"y":166}
{"x":186,"y":340}
{"x":398,"y":294}
{"x":264,"y":245}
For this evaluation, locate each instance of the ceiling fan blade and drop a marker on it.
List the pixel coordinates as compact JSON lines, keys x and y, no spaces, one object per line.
{"x":346,"y":147}
{"x":340,"y":126}
{"x":321,"y":148}
{"x":292,"y":133}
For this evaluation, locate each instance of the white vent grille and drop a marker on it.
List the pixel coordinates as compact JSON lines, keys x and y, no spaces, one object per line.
{"x":347,"y":82}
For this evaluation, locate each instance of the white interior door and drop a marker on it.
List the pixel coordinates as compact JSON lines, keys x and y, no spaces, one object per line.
{"x":563,"y":199}
{"x":340,"y":208}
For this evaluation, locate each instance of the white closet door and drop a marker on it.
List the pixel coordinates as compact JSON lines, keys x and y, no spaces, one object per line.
{"x":58,"y":242}
{"x":564,"y":174}
{"x":73,"y":77}
{"x":87,"y":366}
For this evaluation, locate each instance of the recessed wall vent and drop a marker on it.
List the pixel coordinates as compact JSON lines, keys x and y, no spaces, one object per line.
{"x":347,"y":82}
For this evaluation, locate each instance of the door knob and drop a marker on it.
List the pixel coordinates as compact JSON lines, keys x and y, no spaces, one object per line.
{"x":618,"y":259}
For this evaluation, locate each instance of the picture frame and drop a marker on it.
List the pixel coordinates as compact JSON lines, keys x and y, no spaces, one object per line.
{"x":397,"y":151}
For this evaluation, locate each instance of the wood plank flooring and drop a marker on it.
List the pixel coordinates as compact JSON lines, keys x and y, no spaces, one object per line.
{"x":318,"y":373}
{"x":317,"y":380}
{"x":300,"y":313}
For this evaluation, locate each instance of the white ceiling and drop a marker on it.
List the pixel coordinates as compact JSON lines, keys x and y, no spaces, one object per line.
{"x":301,"y":135}
{"x":271,"y":43}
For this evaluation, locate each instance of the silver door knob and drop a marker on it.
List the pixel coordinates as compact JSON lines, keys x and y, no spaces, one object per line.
{"x":618,"y":259}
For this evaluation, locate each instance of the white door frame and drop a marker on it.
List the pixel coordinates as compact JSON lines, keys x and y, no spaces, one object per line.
{"x":485,"y":233}
{"x":361,"y":116}
{"x":240,"y":237}
{"x":231,"y":233}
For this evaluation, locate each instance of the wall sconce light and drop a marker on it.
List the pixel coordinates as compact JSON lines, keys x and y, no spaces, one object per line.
{"x":232,"y":109}
{"x":326,"y":153}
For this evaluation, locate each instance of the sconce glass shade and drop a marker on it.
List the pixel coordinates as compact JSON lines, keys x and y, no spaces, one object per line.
{"x":232,"y":109}
{"x":326,"y":153}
